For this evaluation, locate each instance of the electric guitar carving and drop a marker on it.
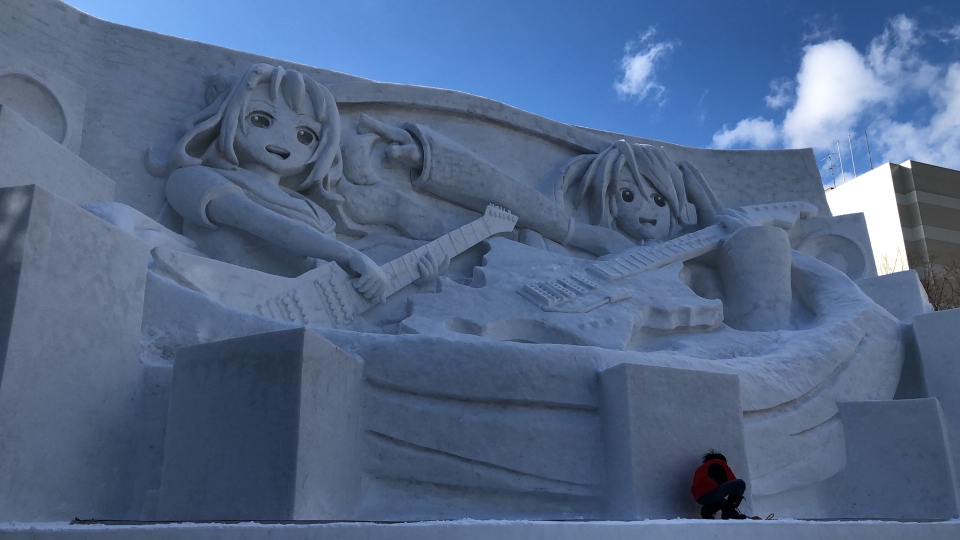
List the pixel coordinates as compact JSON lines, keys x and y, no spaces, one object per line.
{"x":562,"y":299}
{"x":581,"y":292}
{"x":324,"y":296}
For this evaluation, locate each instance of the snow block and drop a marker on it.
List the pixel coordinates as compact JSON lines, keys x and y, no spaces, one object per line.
{"x":938,"y":340}
{"x":657,"y":423}
{"x":898,"y":462}
{"x":71,"y":301}
{"x":263,"y":427}
{"x":900,"y":293}
{"x":29,"y":156}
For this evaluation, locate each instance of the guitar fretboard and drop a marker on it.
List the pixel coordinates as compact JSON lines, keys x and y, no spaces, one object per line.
{"x":694,"y":244}
{"x":687,"y":246}
{"x":403,"y":271}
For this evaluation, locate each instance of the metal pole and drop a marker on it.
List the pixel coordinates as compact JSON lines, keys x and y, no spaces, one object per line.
{"x":852,"y":161}
{"x":868,"y":149}
{"x":829,"y":159}
{"x":843,"y":177}
{"x":833,"y":170}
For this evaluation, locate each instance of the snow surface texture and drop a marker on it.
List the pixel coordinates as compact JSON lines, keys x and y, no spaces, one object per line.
{"x":784,"y":529}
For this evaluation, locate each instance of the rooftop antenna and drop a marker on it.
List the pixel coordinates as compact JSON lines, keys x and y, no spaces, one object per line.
{"x":843,"y":176}
{"x":852,"y":161}
{"x":868,"y":149}
{"x":829,"y":159}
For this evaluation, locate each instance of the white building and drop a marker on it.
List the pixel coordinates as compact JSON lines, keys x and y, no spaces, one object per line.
{"x":912,"y":212}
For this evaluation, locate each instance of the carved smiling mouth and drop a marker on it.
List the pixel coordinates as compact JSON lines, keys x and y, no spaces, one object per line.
{"x":284,"y":154}
{"x":648,"y":220}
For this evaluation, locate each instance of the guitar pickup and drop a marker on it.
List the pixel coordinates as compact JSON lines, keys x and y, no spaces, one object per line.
{"x":584,"y":281}
{"x":543,"y":294}
{"x":540,"y":295}
{"x":577,"y":286}
{"x":551,"y":293}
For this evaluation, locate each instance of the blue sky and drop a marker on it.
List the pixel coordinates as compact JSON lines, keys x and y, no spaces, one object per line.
{"x":737,"y":74}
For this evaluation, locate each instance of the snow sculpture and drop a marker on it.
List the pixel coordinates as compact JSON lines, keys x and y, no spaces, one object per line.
{"x":377,"y":302}
{"x":680,"y":280}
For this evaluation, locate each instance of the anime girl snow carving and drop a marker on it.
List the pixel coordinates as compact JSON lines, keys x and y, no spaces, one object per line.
{"x":604,"y":203}
{"x":225,"y":175}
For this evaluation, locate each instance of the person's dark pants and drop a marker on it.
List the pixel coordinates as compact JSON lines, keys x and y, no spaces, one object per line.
{"x":712,"y":502}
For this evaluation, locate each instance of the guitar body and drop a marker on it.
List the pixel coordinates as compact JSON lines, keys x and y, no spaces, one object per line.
{"x":492,"y":309}
{"x":530,"y":295}
{"x":324,"y":297}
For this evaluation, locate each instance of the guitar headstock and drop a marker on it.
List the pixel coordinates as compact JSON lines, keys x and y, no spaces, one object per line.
{"x":499,"y":220}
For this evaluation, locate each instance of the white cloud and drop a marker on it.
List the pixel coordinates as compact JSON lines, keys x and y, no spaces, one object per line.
{"x":781,"y":93}
{"x":895,"y":59}
{"x":756,"y":132}
{"x":936,"y":141}
{"x":834,"y":85}
{"x":639,"y":62}
{"x":840,"y":90}
{"x":703,"y":96}
{"x":819,"y":28}
{"x":947,"y":35}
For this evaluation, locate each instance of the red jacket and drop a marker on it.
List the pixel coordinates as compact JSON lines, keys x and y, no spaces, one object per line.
{"x":708,"y":477}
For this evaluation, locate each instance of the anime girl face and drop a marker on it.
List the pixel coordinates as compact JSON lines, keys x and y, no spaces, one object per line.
{"x":642,"y":212}
{"x":271,"y":121}
{"x":276,"y":137}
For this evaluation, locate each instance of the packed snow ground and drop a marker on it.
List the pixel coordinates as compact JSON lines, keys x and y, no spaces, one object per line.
{"x":500,"y":530}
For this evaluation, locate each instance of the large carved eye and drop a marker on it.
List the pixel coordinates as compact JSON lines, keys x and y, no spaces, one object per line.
{"x":260,"y":119}
{"x":626,"y":195}
{"x":658,"y":198}
{"x":306,"y":136}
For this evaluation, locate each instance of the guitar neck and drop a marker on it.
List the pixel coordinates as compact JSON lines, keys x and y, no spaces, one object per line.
{"x":685,"y":247}
{"x":688,"y":246}
{"x":403,"y":271}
